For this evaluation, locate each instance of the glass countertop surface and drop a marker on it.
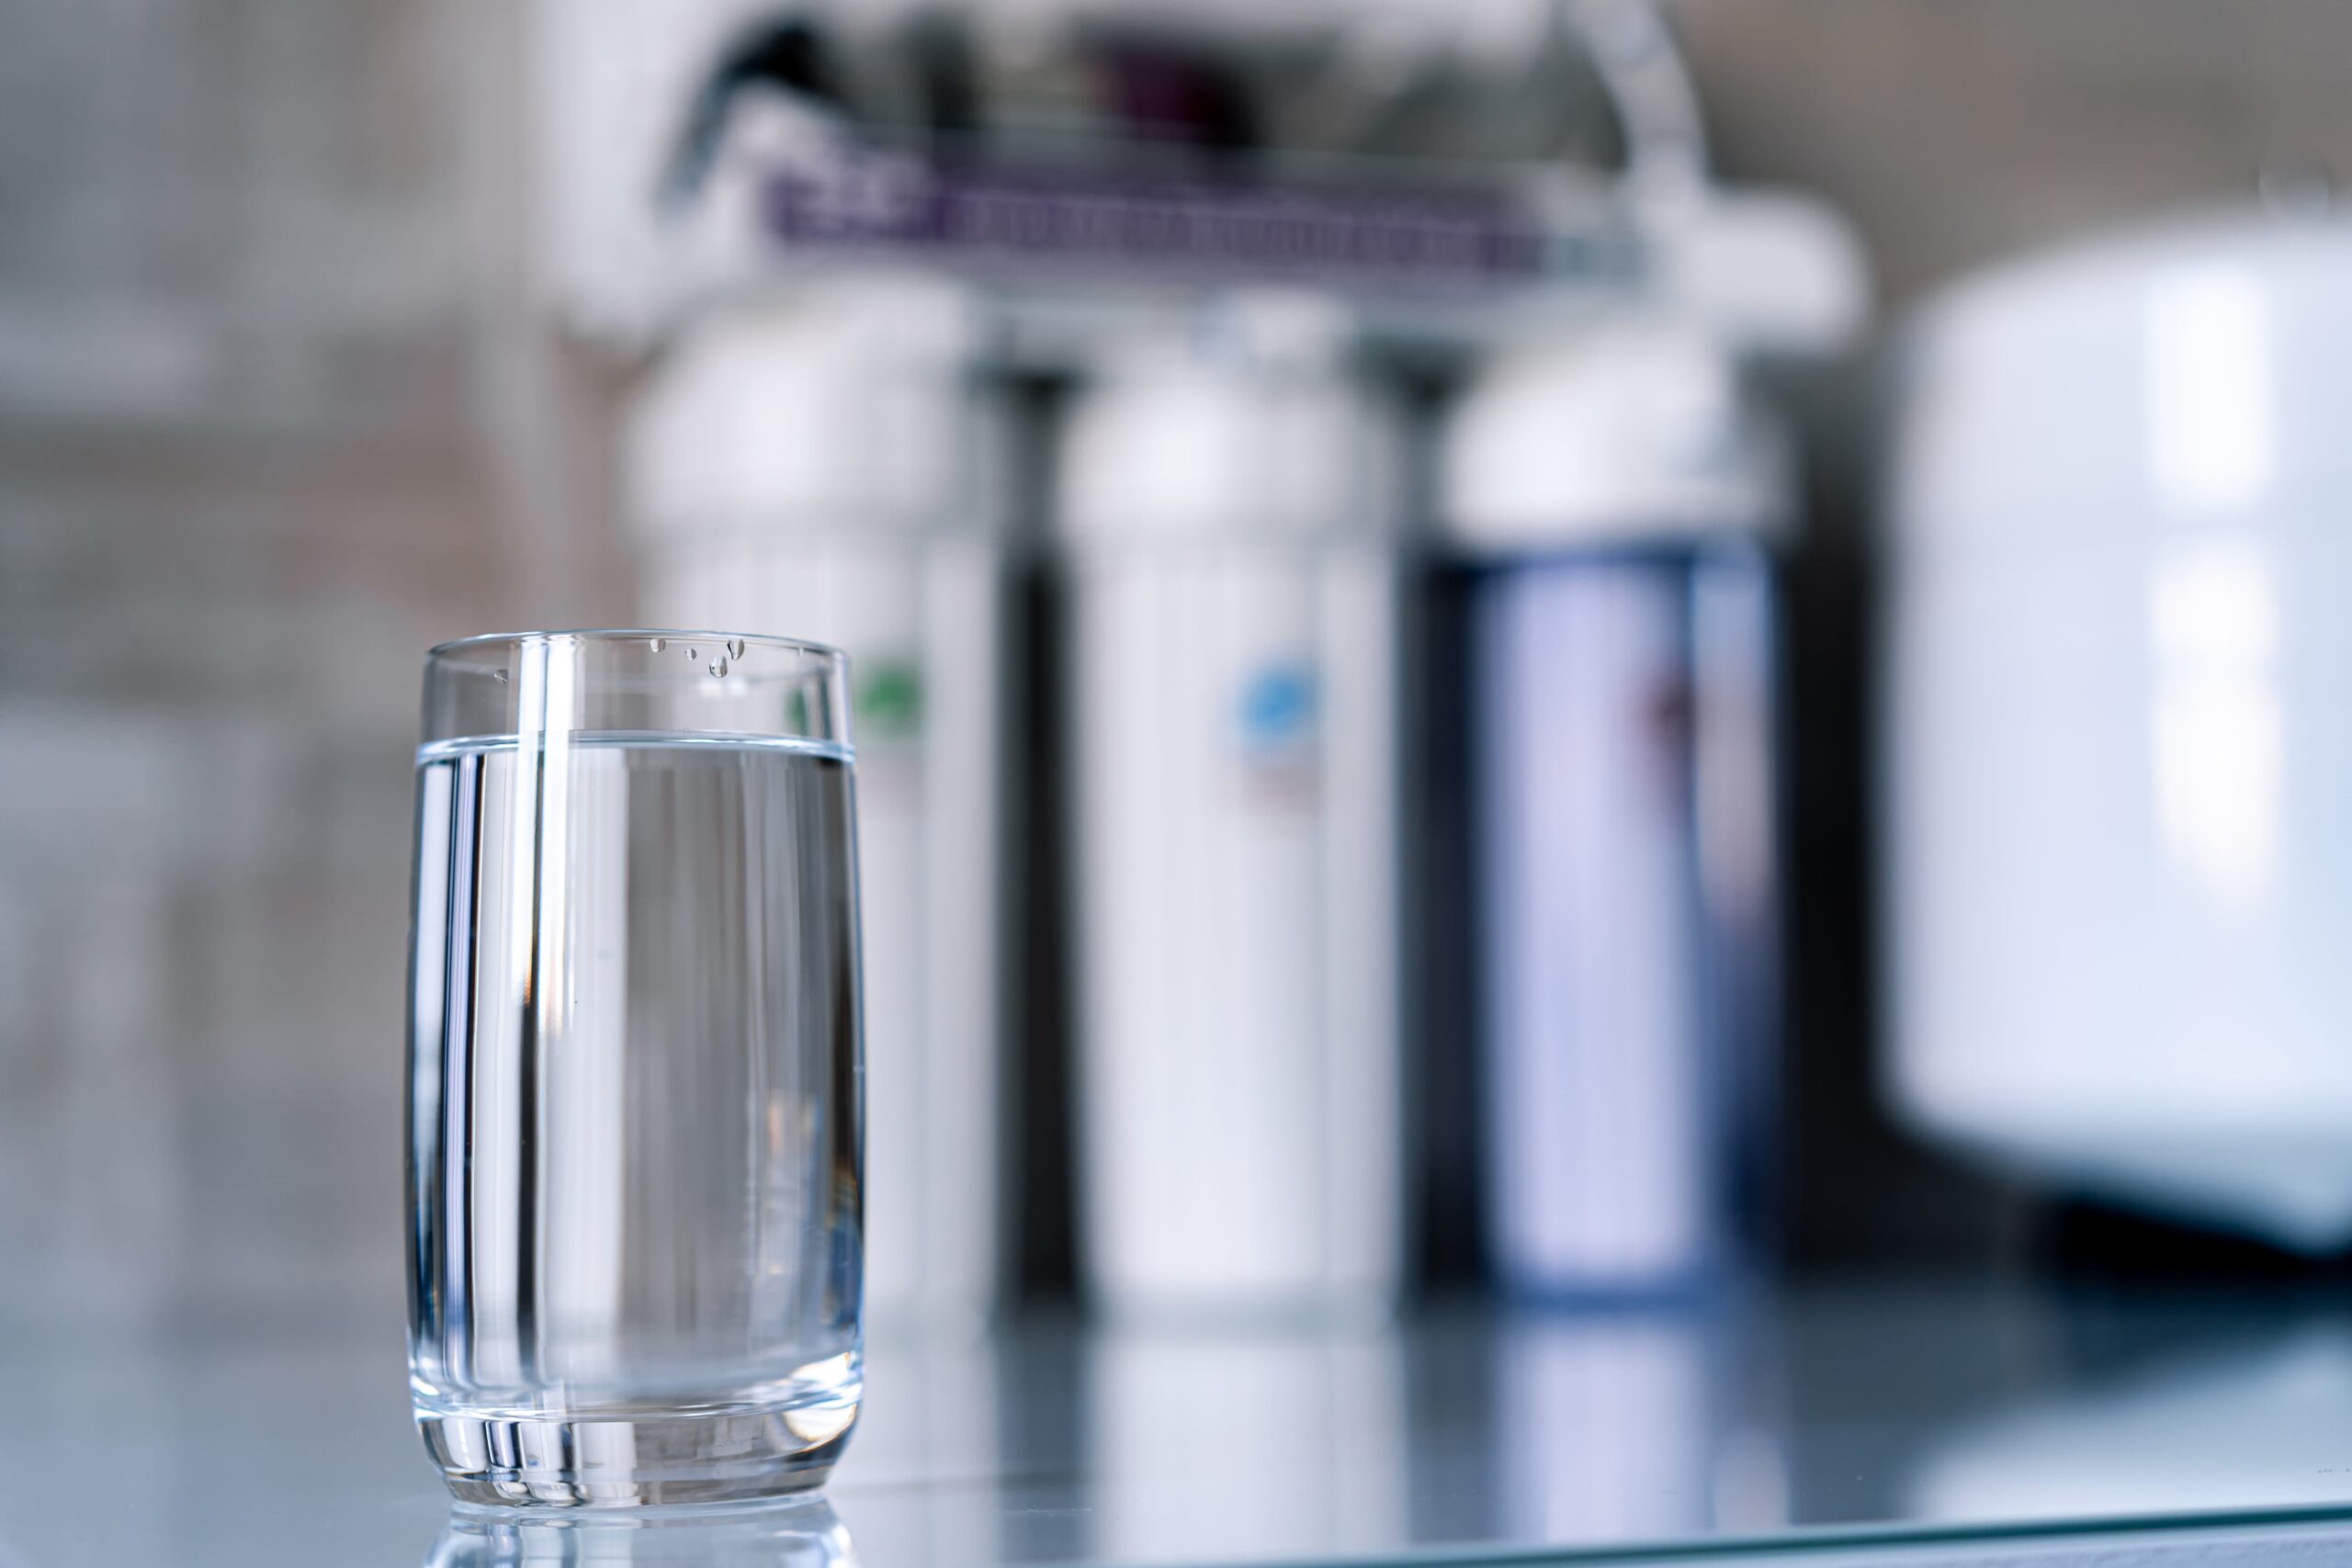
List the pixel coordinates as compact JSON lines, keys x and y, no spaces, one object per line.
{"x":1861,"y":1417}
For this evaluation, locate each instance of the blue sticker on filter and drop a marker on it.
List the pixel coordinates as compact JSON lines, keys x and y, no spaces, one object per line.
{"x":1278,"y":708}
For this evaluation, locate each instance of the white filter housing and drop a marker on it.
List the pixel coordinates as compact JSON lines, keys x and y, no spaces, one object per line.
{"x":1631,"y":431}
{"x":1230,"y":509}
{"x":827,"y":465}
{"x":2118,"y":745}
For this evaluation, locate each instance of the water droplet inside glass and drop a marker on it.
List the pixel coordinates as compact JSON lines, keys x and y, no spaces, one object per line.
{"x":735,"y":649}
{"x":718,"y":665}
{"x":658,"y":644}
{"x":692,"y":654}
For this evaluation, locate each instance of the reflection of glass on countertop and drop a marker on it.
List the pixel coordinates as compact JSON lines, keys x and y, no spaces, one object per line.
{"x":795,"y":1533}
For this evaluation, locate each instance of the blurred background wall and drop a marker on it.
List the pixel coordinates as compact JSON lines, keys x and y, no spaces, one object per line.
{"x":1958,"y":134}
{"x":279,"y":408}
{"x":257,"y":415}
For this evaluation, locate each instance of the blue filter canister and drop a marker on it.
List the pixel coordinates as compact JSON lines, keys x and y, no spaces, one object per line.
{"x":1616,"y":498}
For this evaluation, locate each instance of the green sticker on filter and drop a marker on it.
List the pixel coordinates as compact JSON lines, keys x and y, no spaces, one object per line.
{"x":889,"y":701}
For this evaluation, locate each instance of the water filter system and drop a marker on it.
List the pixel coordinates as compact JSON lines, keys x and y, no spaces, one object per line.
{"x":826,"y":462}
{"x":864,"y":246}
{"x":1613,"y":492}
{"x":1230,"y":502}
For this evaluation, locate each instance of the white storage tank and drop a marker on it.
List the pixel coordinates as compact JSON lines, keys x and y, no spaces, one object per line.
{"x":2117,"y":745}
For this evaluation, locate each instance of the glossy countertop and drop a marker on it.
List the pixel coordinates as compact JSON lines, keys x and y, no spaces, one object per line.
{"x":1892,"y":1421}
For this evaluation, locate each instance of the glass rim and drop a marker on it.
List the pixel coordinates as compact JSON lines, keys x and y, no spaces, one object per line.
{"x":450,"y":654}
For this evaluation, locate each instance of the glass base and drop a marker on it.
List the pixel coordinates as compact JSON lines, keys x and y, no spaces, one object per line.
{"x":639,"y":1461}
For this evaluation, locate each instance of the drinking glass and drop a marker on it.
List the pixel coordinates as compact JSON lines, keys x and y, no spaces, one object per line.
{"x":635,"y":1070}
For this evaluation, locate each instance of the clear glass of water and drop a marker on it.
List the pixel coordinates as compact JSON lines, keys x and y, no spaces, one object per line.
{"x":635,"y":1069}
